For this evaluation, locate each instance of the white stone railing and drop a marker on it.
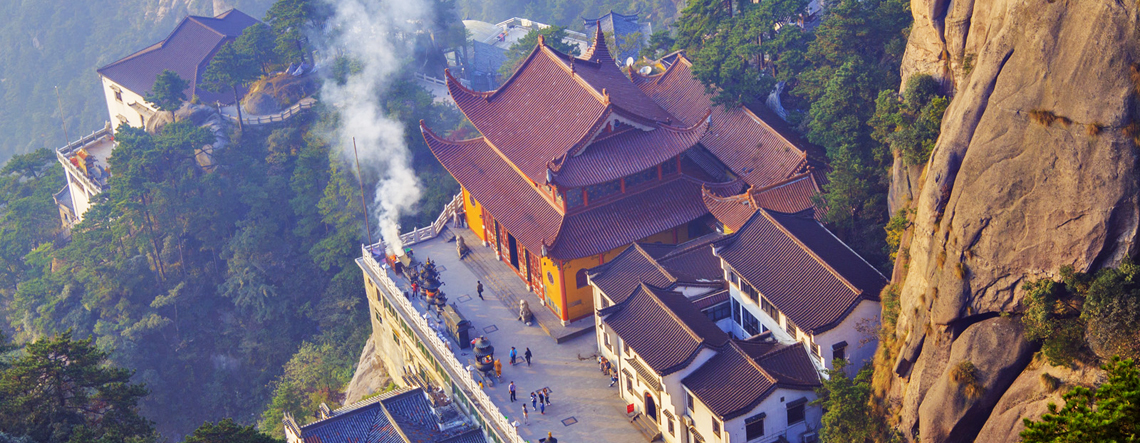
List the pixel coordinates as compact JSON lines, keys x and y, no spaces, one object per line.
{"x":431,"y":231}
{"x":303,"y":105}
{"x":484,"y":406}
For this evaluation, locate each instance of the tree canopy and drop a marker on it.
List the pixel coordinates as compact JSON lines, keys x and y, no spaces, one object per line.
{"x":228,"y":431}
{"x":166,"y":94}
{"x":553,"y":36}
{"x":1102,"y":414}
{"x":62,"y":390}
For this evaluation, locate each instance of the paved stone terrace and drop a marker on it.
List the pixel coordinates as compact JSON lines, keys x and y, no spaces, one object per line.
{"x":581,"y":392}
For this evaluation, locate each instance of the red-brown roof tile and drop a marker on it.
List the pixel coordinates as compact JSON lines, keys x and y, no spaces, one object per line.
{"x":738,"y":137}
{"x":777,"y":254}
{"x":528,"y":216}
{"x":635,"y":216}
{"x":552,"y":105}
{"x":625,"y":152}
{"x":536,"y":222}
{"x":790,"y":196}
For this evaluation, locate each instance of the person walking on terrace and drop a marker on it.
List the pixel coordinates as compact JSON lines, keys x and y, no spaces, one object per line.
{"x":514,"y":355}
{"x":541,"y":398}
{"x":533,"y":400}
{"x":498,"y":368}
{"x":527,"y":355}
{"x":547,"y":392}
{"x":479,"y":289}
{"x":512,"y":389}
{"x":526,"y":416}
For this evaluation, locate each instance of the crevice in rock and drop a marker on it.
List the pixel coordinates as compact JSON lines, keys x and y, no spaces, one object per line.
{"x":956,"y":327}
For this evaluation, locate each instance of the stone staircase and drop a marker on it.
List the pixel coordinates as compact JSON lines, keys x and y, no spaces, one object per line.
{"x":647,"y":427}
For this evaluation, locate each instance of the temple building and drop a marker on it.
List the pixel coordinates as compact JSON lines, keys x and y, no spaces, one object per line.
{"x":629,"y":35}
{"x":577,"y":161}
{"x":796,"y":194}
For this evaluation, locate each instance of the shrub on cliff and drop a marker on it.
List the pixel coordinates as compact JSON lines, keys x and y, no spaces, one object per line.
{"x":1105,"y":413}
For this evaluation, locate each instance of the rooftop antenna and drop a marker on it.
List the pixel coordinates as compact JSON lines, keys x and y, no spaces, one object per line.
{"x":367,"y":227}
{"x":62,"y":121}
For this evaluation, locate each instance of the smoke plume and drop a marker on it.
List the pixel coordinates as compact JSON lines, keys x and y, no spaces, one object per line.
{"x":376,"y":36}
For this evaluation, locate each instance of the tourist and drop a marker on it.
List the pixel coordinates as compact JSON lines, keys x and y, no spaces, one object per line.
{"x":479,"y":289}
{"x":526,"y":417}
{"x":613,"y":378}
{"x":498,"y":368}
{"x":514,"y":355}
{"x":415,"y":289}
{"x":549,"y":438}
{"x":542,"y":408}
{"x":533,"y":400}
{"x":512,"y":389}
{"x":547,"y":392}
{"x":527,"y":355}
{"x":541,"y":397}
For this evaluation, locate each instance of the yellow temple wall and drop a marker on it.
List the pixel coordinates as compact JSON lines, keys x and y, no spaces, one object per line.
{"x":474,"y":215}
{"x":552,"y":285}
{"x":667,"y":236}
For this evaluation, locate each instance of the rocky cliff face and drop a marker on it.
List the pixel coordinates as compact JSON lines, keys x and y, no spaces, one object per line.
{"x":1036,"y":168}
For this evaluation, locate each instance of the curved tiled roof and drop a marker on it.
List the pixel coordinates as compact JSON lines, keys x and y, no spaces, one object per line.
{"x":679,"y":330}
{"x":536,"y":222}
{"x":187,"y":51}
{"x":625,"y":152}
{"x":797,"y":264}
{"x":674,"y":202}
{"x":552,"y":104}
{"x":734,"y":382}
{"x":752,"y":148}
{"x":621,"y":275}
{"x":789,"y":196}
{"x":529,"y":216}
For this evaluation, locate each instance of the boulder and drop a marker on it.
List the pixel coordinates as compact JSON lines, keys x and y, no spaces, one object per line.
{"x":1008,"y":196}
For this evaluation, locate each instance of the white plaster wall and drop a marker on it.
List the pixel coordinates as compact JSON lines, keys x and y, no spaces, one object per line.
{"x":115,"y":108}
{"x":79,"y":198}
{"x":861,"y":345}
{"x":776,"y":421}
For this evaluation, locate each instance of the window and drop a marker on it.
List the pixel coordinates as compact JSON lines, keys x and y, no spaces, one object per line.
{"x":628,"y":381}
{"x":625,"y":348}
{"x":790,"y":327}
{"x":754,"y":427}
{"x":671,"y":431}
{"x":606,"y":337}
{"x":549,"y":277}
{"x":769,"y":309}
{"x":815,"y":350}
{"x":581,"y":279}
{"x":716,"y":427}
{"x":472,"y":198}
{"x":733,"y":278}
{"x":718,"y":312}
{"x":118,"y":95}
{"x":839,"y":351}
{"x":689,"y":399}
{"x":605,"y":302}
{"x":751,"y":325}
{"x":378,"y":317}
{"x":796,"y":411}
{"x":735,"y":310}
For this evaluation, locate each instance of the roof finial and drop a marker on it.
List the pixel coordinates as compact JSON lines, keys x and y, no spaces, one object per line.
{"x":541,"y":40}
{"x":605,"y":96}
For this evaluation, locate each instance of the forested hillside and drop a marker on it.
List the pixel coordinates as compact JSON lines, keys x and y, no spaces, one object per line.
{"x":569,"y":13}
{"x":61,"y":43}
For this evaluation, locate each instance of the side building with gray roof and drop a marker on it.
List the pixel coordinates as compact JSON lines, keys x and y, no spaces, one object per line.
{"x":401,"y":416}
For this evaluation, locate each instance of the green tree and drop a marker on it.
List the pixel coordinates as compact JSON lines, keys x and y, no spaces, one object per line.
{"x":166,"y":94}
{"x":846,"y":403}
{"x":231,"y":68}
{"x":1103,"y":414}
{"x":227,"y":431}
{"x":552,"y":36}
{"x":292,"y":21}
{"x":258,"y":42}
{"x":62,"y":390}
{"x":660,"y":42}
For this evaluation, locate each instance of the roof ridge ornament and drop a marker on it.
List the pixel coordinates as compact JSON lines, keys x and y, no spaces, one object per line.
{"x":541,"y":40}
{"x":605,"y":96}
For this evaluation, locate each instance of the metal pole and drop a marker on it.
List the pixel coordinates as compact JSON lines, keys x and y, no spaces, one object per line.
{"x":360,"y":178}
{"x":62,"y":121}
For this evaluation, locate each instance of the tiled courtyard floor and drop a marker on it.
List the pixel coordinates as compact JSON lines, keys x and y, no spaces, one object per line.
{"x":584,"y":408}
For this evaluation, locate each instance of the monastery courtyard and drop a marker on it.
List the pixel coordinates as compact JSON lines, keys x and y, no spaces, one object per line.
{"x":581,"y":395}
